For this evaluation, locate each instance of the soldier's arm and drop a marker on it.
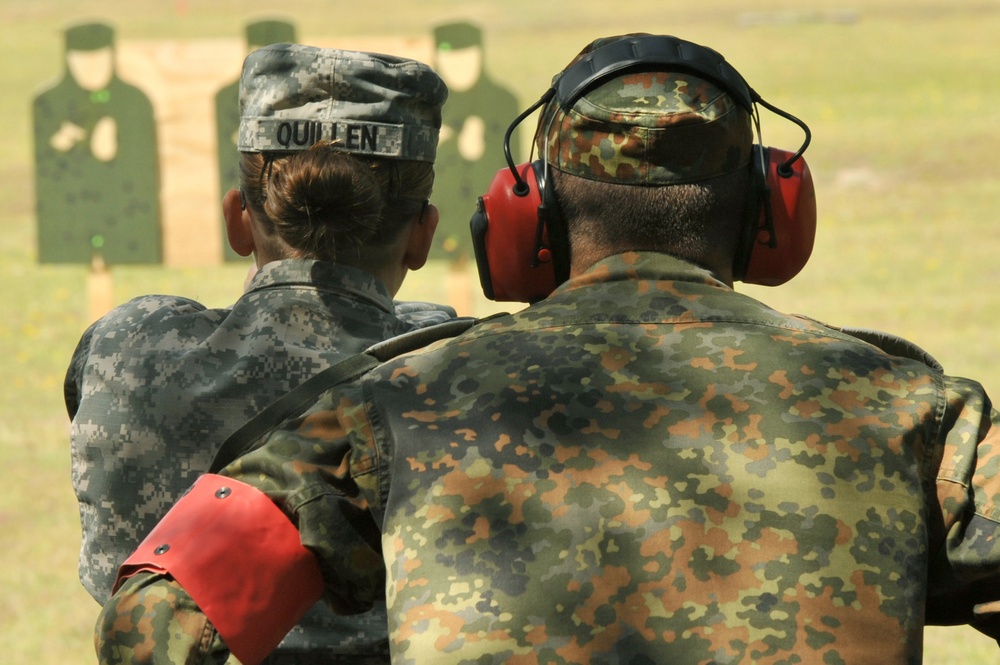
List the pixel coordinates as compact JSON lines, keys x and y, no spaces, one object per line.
{"x":224,"y":568}
{"x":252,"y":550}
{"x":152,"y":619}
{"x":964,"y":584}
{"x":102,"y":342}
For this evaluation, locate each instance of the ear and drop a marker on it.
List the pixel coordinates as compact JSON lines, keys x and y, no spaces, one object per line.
{"x":238,"y":223}
{"x":421,"y":237}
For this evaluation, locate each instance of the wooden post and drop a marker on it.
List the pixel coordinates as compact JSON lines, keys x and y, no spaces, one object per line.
{"x":100,"y":289}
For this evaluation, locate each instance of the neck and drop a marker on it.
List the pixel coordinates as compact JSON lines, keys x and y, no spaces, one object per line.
{"x":585,"y":256}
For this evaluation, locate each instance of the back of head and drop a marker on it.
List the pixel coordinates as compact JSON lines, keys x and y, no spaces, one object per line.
{"x":337,"y":147}
{"x":649,"y":159}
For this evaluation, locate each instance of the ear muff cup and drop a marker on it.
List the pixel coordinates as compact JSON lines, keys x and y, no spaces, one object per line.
{"x":786,"y":223}
{"x":510,"y":242}
{"x":516,"y":259}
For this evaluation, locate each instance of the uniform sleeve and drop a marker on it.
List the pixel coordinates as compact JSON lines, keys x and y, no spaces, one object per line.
{"x":113,"y":334}
{"x":321,"y":472}
{"x":324,"y":470}
{"x":152,"y":620}
{"x":964,"y":584}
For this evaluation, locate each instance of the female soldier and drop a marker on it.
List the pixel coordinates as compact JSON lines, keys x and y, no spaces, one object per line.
{"x":337,"y":152}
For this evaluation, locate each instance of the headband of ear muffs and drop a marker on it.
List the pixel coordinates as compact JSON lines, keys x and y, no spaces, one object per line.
{"x":519,"y":237}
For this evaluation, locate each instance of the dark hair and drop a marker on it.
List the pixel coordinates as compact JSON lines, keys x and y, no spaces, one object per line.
{"x":690,"y":221}
{"x":327,"y":204}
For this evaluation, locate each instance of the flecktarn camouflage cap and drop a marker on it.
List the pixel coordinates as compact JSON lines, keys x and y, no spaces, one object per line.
{"x":647,"y":128}
{"x":293,"y":96}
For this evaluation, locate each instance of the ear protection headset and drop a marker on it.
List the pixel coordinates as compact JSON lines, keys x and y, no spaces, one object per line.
{"x":520,"y":240}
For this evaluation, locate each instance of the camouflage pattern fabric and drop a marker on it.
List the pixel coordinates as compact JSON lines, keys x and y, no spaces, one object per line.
{"x":188,"y":631}
{"x":156,"y":386}
{"x":292,"y":96}
{"x":648,"y":128}
{"x":645,"y":467}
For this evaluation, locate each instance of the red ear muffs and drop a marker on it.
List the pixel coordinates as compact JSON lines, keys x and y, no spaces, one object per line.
{"x":510,"y":241}
{"x":787,"y":228}
{"x":515,"y":257}
{"x":520,"y":240}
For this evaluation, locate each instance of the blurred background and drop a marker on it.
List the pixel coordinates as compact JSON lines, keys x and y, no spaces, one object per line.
{"x":902,"y":96}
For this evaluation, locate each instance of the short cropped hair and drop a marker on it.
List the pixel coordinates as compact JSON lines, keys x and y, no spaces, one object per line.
{"x":690,"y":221}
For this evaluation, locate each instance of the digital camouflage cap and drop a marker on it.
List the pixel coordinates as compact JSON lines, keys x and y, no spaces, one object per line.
{"x":647,"y":128}
{"x":293,"y":96}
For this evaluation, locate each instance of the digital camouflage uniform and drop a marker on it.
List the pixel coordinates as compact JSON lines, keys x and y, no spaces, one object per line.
{"x":161,"y":382}
{"x":157,"y":385}
{"x":688,"y":478}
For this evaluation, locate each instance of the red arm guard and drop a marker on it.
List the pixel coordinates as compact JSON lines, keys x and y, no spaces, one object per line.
{"x":240,"y":559}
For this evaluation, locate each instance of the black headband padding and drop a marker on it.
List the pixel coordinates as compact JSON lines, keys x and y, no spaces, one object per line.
{"x":651,"y":52}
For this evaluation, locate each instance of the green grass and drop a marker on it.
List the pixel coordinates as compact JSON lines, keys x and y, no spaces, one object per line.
{"x":905,"y":109}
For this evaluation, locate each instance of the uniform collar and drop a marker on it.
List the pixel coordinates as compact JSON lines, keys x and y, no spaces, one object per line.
{"x":324,"y":276}
{"x":641,"y":266}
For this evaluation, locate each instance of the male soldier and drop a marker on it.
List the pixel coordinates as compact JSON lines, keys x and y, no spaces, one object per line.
{"x":643,"y":467}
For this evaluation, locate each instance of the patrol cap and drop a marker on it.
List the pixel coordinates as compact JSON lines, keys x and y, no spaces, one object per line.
{"x":269,"y":31}
{"x":89,"y":36}
{"x":293,"y":96}
{"x":461,"y":34}
{"x":647,"y":128}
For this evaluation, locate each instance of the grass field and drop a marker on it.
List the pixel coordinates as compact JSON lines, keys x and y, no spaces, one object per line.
{"x":903,"y":100}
